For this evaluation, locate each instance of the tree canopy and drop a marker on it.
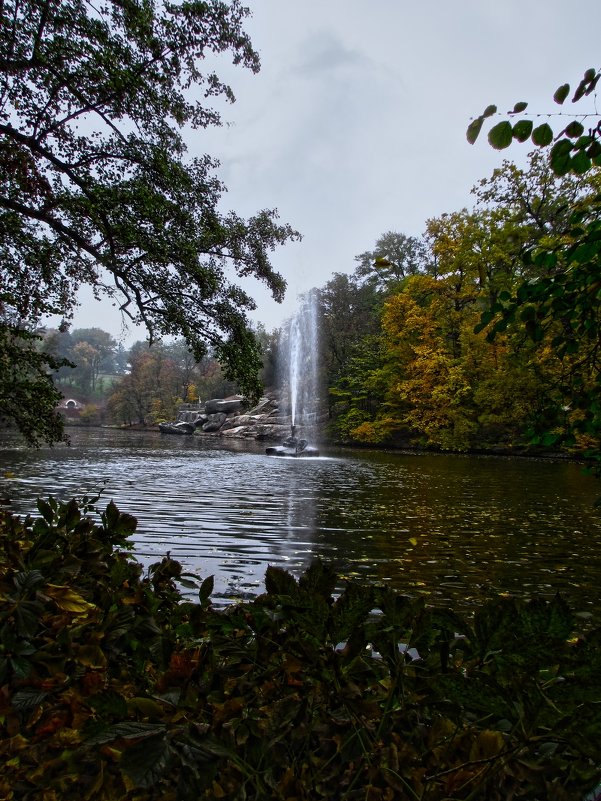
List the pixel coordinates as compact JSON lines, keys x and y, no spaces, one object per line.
{"x":96,"y":186}
{"x":562,"y":305}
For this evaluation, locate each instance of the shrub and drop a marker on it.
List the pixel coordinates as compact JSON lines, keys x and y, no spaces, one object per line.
{"x":113,"y":686}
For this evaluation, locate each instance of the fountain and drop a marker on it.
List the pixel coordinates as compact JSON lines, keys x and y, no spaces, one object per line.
{"x":301,"y":359}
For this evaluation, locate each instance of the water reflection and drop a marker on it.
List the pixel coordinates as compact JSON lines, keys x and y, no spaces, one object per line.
{"x":450,"y":527}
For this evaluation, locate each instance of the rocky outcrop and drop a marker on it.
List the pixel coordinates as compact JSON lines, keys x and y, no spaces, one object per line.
{"x":231,"y":418}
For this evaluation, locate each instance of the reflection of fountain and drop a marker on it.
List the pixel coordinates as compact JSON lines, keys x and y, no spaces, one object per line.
{"x":301,"y":358}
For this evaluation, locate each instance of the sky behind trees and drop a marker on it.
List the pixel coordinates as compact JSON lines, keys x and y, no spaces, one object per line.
{"x":356,"y":123}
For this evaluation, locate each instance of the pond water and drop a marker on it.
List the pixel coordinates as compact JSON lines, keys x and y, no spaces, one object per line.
{"x":454,"y":528}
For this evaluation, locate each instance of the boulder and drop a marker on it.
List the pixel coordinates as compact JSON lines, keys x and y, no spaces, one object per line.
{"x":239,"y":432}
{"x":176,"y":428}
{"x":225,"y":405}
{"x":214,"y":422}
{"x":266,"y":431}
{"x":264,"y":406}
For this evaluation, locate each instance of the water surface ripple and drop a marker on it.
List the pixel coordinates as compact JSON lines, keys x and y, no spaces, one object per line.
{"x":451,"y":527}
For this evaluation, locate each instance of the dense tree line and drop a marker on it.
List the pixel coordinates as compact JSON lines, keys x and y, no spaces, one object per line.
{"x":413,"y":346}
{"x":144,"y":384}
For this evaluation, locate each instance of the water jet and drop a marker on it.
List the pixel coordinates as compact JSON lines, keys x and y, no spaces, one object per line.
{"x":300,"y":356}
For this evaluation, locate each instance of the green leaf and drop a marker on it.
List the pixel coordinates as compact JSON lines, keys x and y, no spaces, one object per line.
{"x":542,"y":135}
{"x":111,"y":515}
{"x":279,"y":582}
{"x":583,"y":142}
{"x":24,"y":700}
{"x":561,"y":159}
{"x":72,"y":515}
{"x":581,"y":163}
{"x":126,"y":731}
{"x":561,"y":93}
{"x":574,"y":129}
{"x":473,"y":130}
{"x":45,"y":510}
{"x":145,"y":706}
{"x":500,"y":136}
{"x":109,"y":704}
{"x":586,"y":85}
{"x":206,"y":588}
{"x":594,"y":150}
{"x":489,"y":111}
{"x":146,"y":762}
{"x":522,"y":130}
{"x":519,"y":107}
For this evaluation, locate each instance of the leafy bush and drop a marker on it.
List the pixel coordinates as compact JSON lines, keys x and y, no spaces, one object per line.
{"x":113,"y":686}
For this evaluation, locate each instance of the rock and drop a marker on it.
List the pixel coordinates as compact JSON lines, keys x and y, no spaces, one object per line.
{"x":176,"y":428}
{"x":266,"y":421}
{"x":264,"y":406}
{"x":214,"y":422}
{"x":266,"y":431}
{"x":239,"y":432}
{"x":225,"y":405}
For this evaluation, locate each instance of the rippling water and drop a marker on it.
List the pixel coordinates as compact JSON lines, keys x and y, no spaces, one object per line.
{"x":451,"y":527}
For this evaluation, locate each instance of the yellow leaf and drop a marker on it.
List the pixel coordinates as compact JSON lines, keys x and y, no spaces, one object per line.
{"x":487,"y":745}
{"x":91,"y":656}
{"x":67,"y":600}
{"x":145,"y":706}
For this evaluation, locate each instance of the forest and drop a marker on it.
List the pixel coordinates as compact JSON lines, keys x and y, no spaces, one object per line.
{"x":437,"y":340}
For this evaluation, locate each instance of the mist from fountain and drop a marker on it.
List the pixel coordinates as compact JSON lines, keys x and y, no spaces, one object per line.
{"x":302,"y":360}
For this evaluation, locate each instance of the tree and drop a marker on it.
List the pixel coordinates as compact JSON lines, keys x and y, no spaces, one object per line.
{"x":102,"y":342}
{"x":95,"y":185}
{"x":27,"y":395}
{"x":93,"y":353}
{"x":394,"y":257}
{"x":562,"y":306}
{"x":348,"y":311}
{"x":150,"y":392}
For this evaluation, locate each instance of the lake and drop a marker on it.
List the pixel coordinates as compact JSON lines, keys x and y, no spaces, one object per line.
{"x":451,"y":527}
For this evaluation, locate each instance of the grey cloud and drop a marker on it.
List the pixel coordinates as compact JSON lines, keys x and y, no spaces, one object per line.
{"x":323,"y":52}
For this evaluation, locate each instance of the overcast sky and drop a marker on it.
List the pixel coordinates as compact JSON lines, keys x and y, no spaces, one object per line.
{"x":356,"y":123}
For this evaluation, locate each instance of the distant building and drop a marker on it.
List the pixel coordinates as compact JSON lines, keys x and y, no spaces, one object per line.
{"x":70,"y":408}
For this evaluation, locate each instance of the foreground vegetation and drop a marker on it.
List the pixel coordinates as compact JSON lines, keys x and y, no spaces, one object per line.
{"x":113,"y":686}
